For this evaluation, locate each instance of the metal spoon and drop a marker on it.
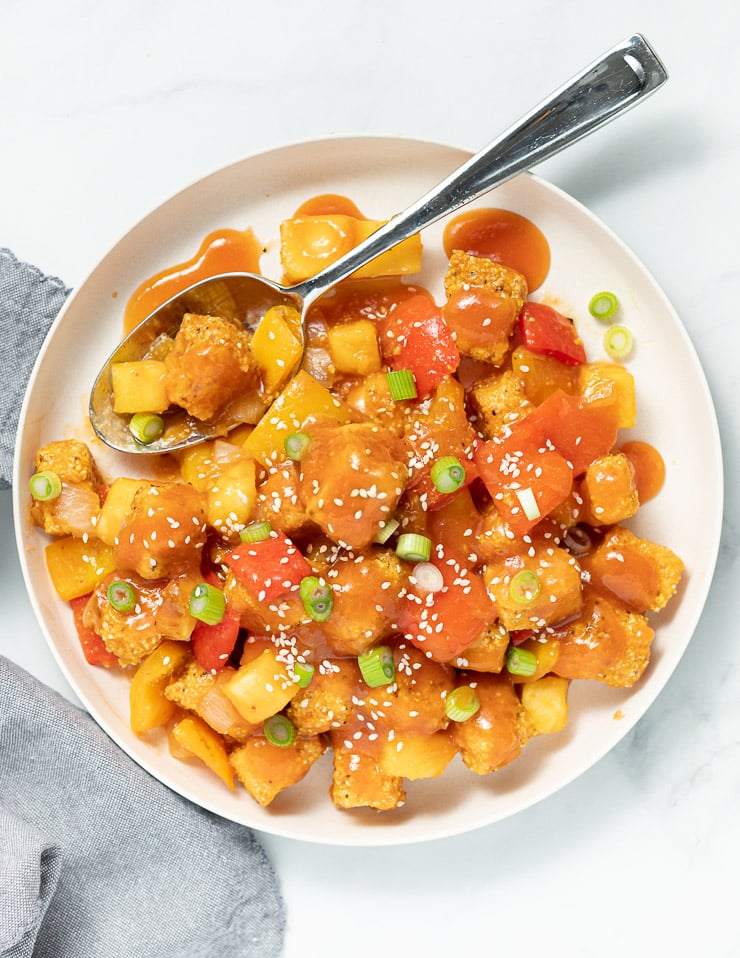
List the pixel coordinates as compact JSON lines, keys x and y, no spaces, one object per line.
{"x":620,"y":79}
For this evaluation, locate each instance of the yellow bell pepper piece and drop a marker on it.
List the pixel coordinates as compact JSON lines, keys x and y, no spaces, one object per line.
{"x":149,"y":707}
{"x":76,"y":567}
{"x":200,"y":740}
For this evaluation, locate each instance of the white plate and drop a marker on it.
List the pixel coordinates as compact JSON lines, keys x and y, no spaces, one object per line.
{"x":675,"y":413}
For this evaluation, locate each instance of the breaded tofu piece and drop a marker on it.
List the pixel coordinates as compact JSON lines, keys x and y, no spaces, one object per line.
{"x":640,"y":573}
{"x":497,"y":401}
{"x":608,"y":490}
{"x":278,"y":502}
{"x":497,"y":733}
{"x":163,"y":532}
{"x":265,"y":770}
{"x":326,"y":703}
{"x":366,"y":585}
{"x":608,"y":642}
{"x":209,"y":365}
{"x":487,"y":653}
{"x":73,"y":512}
{"x":130,"y":636}
{"x":416,"y":701}
{"x":482,"y":323}
{"x":358,"y":781}
{"x":199,"y":691}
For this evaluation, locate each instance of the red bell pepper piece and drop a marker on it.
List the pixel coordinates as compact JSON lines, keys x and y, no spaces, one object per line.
{"x":442,"y":624}
{"x":415,"y":336}
{"x":213,"y":644}
{"x":579,"y":433}
{"x":269,"y":569}
{"x":545,"y":330}
{"x":93,"y":647}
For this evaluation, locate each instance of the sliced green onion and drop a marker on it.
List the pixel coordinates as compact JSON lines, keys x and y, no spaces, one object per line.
{"x":461,"y":704}
{"x":122,"y":596}
{"x":317,"y":598}
{"x":528,"y":502}
{"x":207,"y":603}
{"x":279,"y":730}
{"x":296,"y":445}
{"x":146,"y":427}
{"x":45,"y":486}
{"x":520,"y":661}
{"x":524,"y":587}
{"x":377,"y":666}
{"x":618,"y":342}
{"x":603,"y":305}
{"x":386,"y":531}
{"x":303,"y":672}
{"x":256,"y":532}
{"x":448,"y":474}
{"x":428,"y":577}
{"x":413,"y":547}
{"x":402,"y":384}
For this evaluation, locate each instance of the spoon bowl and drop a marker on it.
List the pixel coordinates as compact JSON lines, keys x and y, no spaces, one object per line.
{"x":609,"y":86}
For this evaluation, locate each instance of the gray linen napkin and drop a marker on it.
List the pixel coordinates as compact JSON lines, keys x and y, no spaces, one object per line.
{"x":97,"y":858}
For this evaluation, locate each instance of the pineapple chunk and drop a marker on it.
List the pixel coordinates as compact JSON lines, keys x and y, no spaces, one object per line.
{"x":149,"y":707}
{"x":354,"y":347}
{"x":609,"y":386}
{"x":260,"y":688}
{"x":277,"y":345}
{"x":414,"y":755}
{"x":193,"y":735}
{"x":546,"y":703}
{"x":139,"y":386}
{"x":117,"y":504}
{"x":76,"y":567}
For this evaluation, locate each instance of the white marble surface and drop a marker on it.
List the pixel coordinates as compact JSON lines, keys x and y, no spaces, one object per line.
{"x":110,"y":107}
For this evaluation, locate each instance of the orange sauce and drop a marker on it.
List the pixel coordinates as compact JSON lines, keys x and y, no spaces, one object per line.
{"x":329,"y":204}
{"x":649,"y":468}
{"x":504,"y":237}
{"x":223,"y":251}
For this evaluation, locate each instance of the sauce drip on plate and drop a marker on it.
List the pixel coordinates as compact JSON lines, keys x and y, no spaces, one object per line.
{"x":505,"y":237}
{"x":223,"y":251}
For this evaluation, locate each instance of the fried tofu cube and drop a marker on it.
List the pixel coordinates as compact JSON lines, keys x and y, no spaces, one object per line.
{"x":326,"y":703}
{"x":497,"y":401}
{"x":209,"y":365}
{"x":129,"y":645}
{"x":608,"y":490}
{"x":75,"y":510}
{"x":486,"y":653}
{"x":608,"y":642}
{"x":497,"y":733}
{"x":265,"y":769}
{"x":534,"y":591}
{"x":358,"y":781}
{"x":278,"y":502}
{"x":483,"y":301}
{"x":351,"y":480}
{"x":638,"y":572}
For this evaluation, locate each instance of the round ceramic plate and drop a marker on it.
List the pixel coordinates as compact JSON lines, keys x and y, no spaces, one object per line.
{"x":382,"y":175}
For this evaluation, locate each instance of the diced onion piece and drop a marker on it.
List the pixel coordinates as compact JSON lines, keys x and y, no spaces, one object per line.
{"x":402,"y":384}
{"x":520,"y":661}
{"x":528,"y":503}
{"x":296,"y":445}
{"x":524,"y":587}
{"x":256,"y":532}
{"x":414,"y":547}
{"x":317,"y":598}
{"x":577,"y":540}
{"x":279,"y":730}
{"x":207,"y":603}
{"x":603,"y":305}
{"x":45,"y":486}
{"x":428,"y":577}
{"x":461,"y":704}
{"x":146,"y":427}
{"x":618,"y":342}
{"x":377,"y":666}
{"x":448,"y":474}
{"x":122,"y":596}
{"x":304,"y":673}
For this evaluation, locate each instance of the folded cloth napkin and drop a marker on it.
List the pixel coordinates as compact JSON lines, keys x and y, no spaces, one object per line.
{"x":97,"y":858}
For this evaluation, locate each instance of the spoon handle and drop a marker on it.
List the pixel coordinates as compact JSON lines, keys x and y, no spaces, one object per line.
{"x":612,"y":84}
